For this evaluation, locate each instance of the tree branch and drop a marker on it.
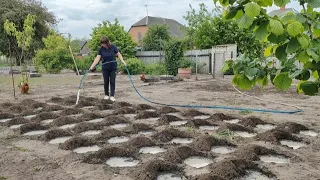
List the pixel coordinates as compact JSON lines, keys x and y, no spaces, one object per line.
{"x":309,"y":25}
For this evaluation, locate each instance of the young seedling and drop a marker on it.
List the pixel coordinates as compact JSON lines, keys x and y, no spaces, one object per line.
{"x":226,"y":134}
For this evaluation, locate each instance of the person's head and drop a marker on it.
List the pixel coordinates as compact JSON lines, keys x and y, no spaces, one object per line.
{"x":105,"y":42}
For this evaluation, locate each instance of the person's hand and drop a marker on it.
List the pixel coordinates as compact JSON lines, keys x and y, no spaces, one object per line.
{"x":92,"y":69}
{"x":124,"y":63}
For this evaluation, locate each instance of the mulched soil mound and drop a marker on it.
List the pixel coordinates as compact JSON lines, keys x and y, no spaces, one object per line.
{"x":28,"y":112}
{"x":112,"y":120}
{"x":292,"y":127}
{"x":65,"y":120}
{"x":178,"y":154}
{"x":234,"y":127}
{"x":6,"y":115}
{"x":107,"y":134}
{"x":77,"y":142}
{"x":45,"y":115}
{"x":122,"y":104}
{"x":53,"y":108}
{"x":55,"y":133}
{"x":206,"y":142}
{"x":31,"y":127}
{"x":252,"y":121}
{"x":207,"y":177}
{"x":71,"y":100}
{"x":168,"y":134}
{"x":193,"y":113}
{"x":196,"y":123}
{"x":151,"y":169}
{"x":146,"y":115}
{"x":102,"y":107}
{"x":6,"y":105}
{"x":38,"y":105}
{"x":276,"y":135}
{"x":141,"y":141}
{"x":57,"y":100}
{"x":166,"y":119}
{"x":167,"y":109}
{"x":71,"y":111}
{"x":17,"y":108}
{"x":234,"y":168}
{"x":16,"y":121}
{"x":137,"y":127}
{"x":28,"y":102}
{"x":90,"y":116}
{"x":101,"y":156}
{"x":84,"y":102}
{"x":84,"y":126}
{"x":124,"y":110}
{"x":252,"y":152}
{"x":221,"y":117}
{"x":142,"y":107}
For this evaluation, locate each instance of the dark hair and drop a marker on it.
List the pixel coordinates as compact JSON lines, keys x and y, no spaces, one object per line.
{"x":105,"y":40}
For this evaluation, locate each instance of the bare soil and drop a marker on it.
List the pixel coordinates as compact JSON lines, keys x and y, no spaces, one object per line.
{"x":54,"y":96}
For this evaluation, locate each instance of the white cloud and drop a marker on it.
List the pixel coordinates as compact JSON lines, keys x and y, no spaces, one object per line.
{"x":80,"y":16}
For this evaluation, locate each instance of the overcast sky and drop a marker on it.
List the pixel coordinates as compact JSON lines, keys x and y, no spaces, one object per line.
{"x":80,"y":16}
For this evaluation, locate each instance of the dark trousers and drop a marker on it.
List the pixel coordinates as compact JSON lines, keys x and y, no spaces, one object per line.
{"x":109,"y":77}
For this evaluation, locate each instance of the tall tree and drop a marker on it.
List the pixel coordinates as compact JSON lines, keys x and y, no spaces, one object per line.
{"x":155,"y":37}
{"x":16,"y":11}
{"x":207,"y":29}
{"x":117,"y":36}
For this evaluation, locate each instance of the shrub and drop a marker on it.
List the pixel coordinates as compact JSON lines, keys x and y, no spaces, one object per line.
{"x":135,"y":66}
{"x":156,"y":69}
{"x":53,"y":60}
{"x":174,"y":52}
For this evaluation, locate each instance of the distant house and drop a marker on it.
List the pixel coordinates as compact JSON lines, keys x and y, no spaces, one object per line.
{"x":140,"y":28}
{"x":282,"y":11}
{"x":84,"y":49}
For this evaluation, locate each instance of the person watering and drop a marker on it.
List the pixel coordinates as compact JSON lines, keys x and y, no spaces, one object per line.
{"x":108,"y":52}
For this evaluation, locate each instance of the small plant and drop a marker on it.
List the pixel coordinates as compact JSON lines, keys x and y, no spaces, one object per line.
{"x":226,"y":134}
{"x":245,"y":112}
{"x":155,"y":69}
{"x":20,"y":149}
{"x":3,"y":177}
{"x":190,"y":129}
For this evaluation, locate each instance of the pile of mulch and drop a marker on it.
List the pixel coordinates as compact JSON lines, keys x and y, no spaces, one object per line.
{"x":166,"y":119}
{"x":206,"y":142}
{"x":138,"y":127}
{"x":55,"y":133}
{"x":71,"y":111}
{"x":101,"y":156}
{"x":252,"y":122}
{"x":65,"y":120}
{"x":167,"y":109}
{"x":141,"y":141}
{"x":76,"y":142}
{"x":252,"y":152}
{"x":44,"y":116}
{"x":235,"y":127}
{"x":4,"y":115}
{"x":90,"y":116}
{"x":151,"y":169}
{"x":142,"y":107}
{"x":193,"y":113}
{"x":292,"y":127}
{"x":276,"y":135}
{"x":85,"y":126}
{"x":178,"y":154}
{"x":108,"y":133}
{"x":147,"y":115}
{"x":124,"y":110}
{"x":16,"y":121}
{"x":31,"y":127}
{"x":168,"y":134}
{"x":112,"y":120}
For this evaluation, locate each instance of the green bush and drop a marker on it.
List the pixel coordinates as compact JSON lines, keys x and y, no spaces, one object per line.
{"x":53,"y":60}
{"x":83,"y":64}
{"x":174,"y":52}
{"x":135,"y":66}
{"x":185,"y":63}
{"x":156,"y":69}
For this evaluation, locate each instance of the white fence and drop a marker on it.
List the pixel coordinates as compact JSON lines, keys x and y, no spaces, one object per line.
{"x":210,"y":60}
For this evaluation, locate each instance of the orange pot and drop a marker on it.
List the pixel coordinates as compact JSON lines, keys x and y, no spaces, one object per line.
{"x":184,"y":72}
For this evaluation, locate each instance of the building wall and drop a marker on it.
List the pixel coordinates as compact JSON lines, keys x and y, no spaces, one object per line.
{"x":134,"y":33}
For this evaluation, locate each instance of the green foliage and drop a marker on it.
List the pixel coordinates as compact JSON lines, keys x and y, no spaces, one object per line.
{"x":155,"y":37}
{"x":207,"y":30}
{"x":55,"y":56}
{"x":16,"y":11}
{"x":290,"y":37}
{"x":156,"y":69}
{"x":134,"y":65}
{"x":174,"y":53}
{"x":117,"y":36}
{"x":83,"y":63}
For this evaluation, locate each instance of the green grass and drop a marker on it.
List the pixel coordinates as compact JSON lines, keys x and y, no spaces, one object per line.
{"x":3,"y":177}
{"x":4,"y":65}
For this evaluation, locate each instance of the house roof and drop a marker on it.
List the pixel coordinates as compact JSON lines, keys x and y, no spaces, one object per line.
{"x":280,"y":12}
{"x":175,"y":28}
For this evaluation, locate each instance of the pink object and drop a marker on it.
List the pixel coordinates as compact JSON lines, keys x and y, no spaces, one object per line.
{"x":184,"y":73}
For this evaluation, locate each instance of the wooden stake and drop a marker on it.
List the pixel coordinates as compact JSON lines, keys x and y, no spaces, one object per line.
{"x":74,"y":60}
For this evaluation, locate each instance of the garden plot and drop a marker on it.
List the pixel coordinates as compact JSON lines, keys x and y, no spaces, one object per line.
{"x":176,"y":145}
